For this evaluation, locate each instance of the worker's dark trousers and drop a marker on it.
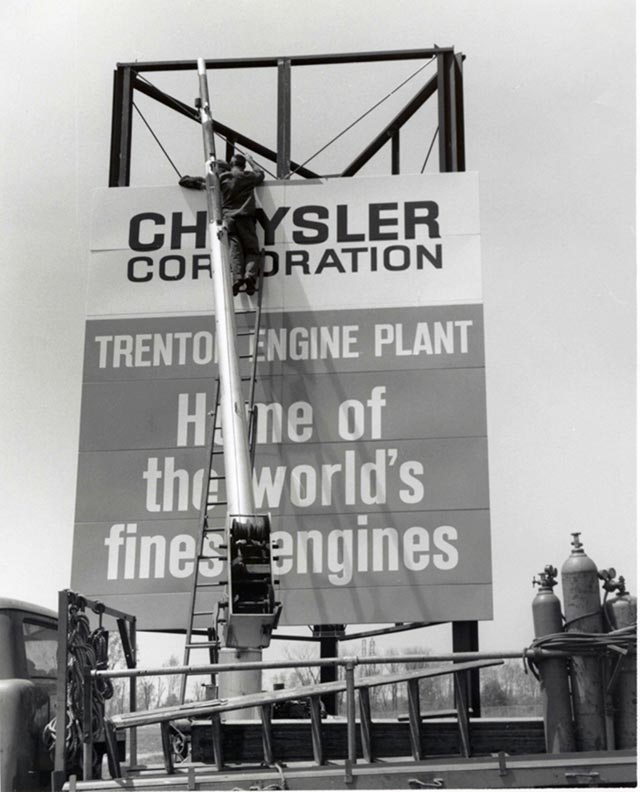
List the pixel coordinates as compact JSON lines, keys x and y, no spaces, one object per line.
{"x":244,"y":249}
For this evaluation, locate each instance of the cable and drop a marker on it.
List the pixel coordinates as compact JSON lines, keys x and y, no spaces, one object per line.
{"x":86,"y":651}
{"x":155,"y":137}
{"x":366,"y":113}
{"x":426,"y":159}
{"x":617,"y":643}
{"x":221,"y":136}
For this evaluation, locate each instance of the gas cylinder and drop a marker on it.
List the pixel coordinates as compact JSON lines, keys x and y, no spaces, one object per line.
{"x":583,"y":613}
{"x":622,"y":612}
{"x":554,"y":672}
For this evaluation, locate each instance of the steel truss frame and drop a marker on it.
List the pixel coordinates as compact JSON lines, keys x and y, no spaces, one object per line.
{"x":446,"y":85}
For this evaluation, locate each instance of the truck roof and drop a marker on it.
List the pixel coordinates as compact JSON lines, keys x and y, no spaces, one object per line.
{"x":13,"y":604}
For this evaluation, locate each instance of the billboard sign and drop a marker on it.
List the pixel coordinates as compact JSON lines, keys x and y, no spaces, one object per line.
{"x":372,"y":444}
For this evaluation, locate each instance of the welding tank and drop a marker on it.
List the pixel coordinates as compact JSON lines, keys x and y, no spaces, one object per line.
{"x":622,"y":612}
{"x":583,"y":614}
{"x":554,"y":671}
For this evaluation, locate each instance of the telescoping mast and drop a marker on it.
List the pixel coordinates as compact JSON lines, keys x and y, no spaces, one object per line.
{"x":248,"y":614}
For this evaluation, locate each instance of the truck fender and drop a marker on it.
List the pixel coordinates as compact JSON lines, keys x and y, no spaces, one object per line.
{"x":18,"y":741}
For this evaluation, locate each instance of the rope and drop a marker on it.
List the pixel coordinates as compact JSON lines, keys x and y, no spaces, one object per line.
{"x":155,"y":137}
{"x":366,"y":113}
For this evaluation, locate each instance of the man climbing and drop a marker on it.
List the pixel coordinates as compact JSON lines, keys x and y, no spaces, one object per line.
{"x":239,"y":213}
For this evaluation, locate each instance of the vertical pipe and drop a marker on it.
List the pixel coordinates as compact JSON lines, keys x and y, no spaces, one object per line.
{"x":351,"y":718}
{"x":284,"y":118}
{"x":465,"y":639}
{"x":133,"y":701}
{"x":328,"y":634}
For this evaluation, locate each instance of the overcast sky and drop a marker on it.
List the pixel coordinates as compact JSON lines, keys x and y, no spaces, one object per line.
{"x":549,"y":105}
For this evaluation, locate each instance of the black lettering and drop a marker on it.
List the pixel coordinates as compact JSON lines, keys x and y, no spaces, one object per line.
{"x":135,"y":243}
{"x":343,"y":222}
{"x":376,"y":221}
{"x":435,"y":260}
{"x":269,"y":225}
{"x":297,"y":258}
{"x":321,"y":231}
{"x":165,"y":275}
{"x":412,"y":218}
{"x":272,"y":256}
{"x":131,"y":274}
{"x":330,"y":259}
{"x":201,"y":261}
{"x":405,"y":258}
{"x":178,"y":230}
{"x":354,"y":252}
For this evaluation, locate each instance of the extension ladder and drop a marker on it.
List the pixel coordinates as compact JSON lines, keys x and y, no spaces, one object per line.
{"x":247,"y":337}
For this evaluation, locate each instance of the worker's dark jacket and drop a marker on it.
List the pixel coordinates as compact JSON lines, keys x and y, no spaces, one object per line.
{"x":239,"y":213}
{"x":238,"y":199}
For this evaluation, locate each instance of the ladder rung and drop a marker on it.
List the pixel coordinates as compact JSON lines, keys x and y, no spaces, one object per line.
{"x":202,"y":645}
{"x":206,"y":585}
{"x":210,"y":530}
{"x":211,"y":558}
{"x":202,"y":613}
{"x":216,"y":503}
{"x":216,"y":478}
{"x":245,"y":357}
{"x":246,"y":333}
{"x":246,"y":379}
{"x":237,"y":313}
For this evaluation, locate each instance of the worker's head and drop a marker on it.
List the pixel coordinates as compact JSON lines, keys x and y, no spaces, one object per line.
{"x":222,"y":166}
{"x":238,"y":161}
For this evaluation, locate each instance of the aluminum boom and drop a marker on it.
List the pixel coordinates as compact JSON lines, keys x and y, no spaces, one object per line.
{"x":237,"y":460}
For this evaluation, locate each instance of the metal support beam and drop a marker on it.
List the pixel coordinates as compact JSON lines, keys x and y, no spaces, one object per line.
{"x":296,"y":60}
{"x":395,"y":152}
{"x":329,"y":635}
{"x":461,"y":158}
{"x":401,"y":118}
{"x":284,"y":118}
{"x":220,"y":129}
{"x":445,"y":104}
{"x":465,"y":639}
{"x":120,"y":161}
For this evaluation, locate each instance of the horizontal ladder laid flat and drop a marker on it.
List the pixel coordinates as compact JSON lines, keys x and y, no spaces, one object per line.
{"x":265,"y":701}
{"x":248,"y":619}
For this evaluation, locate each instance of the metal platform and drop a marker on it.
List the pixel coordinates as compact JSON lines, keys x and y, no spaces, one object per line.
{"x":617,"y":768}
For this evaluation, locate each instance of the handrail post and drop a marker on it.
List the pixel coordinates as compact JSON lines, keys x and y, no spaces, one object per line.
{"x":133,"y":699}
{"x":349,"y":669}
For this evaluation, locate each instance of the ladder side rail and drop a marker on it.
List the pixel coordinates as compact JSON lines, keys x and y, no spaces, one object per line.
{"x":253,"y":417}
{"x":203,"y":522}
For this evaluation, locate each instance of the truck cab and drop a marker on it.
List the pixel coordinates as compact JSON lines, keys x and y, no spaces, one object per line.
{"x":28,"y":669}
